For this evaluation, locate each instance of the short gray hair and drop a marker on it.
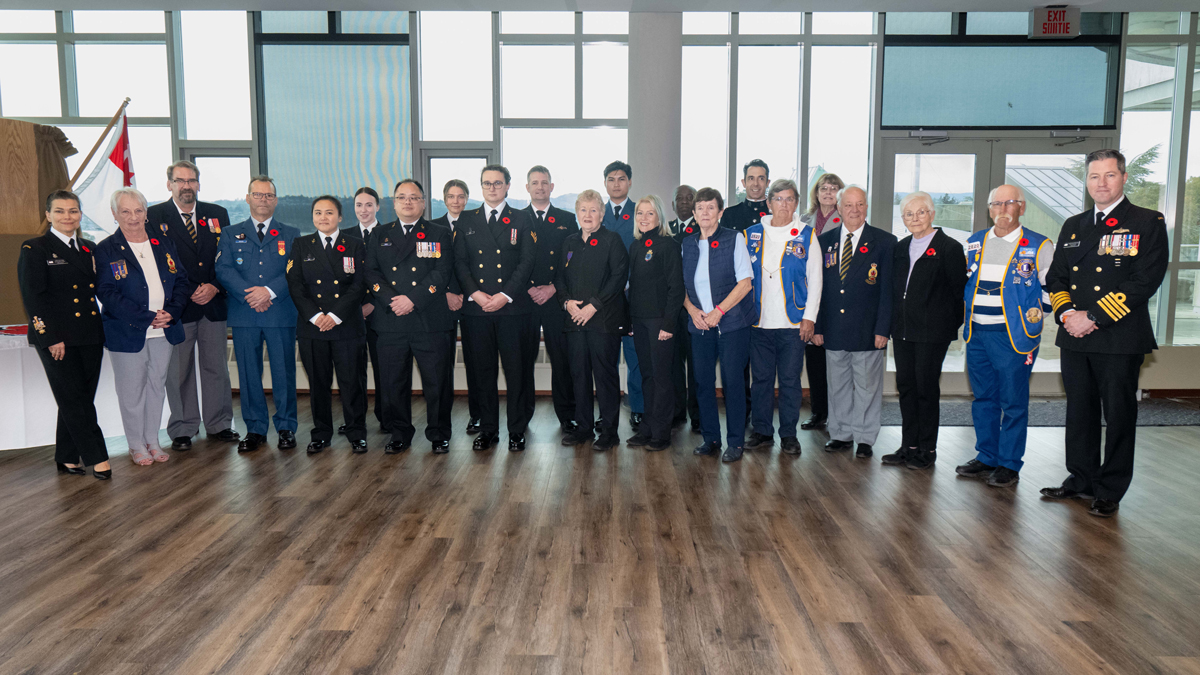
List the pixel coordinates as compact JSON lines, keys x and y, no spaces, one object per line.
{"x":915,"y":196}
{"x":782,"y":185}
{"x":588,"y":196}
{"x":115,"y":201}
{"x":992,"y":194}
{"x":261,"y":178}
{"x":664,"y":230}
{"x":182,"y":164}
{"x":843,"y":191}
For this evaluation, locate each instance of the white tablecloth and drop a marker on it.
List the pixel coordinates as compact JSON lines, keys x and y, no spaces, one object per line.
{"x":28,"y":414}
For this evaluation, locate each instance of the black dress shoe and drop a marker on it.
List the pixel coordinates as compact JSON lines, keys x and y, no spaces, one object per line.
{"x":1104,"y":508}
{"x":695,"y":425}
{"x":813,"y":422}
{"x":974,"y":469}
{"x":251,"y":442}
{"x":1061,"y":492}
{"x":758,"y":440}
{"x":635,"y":420}
{"x":397,"y":446}
{"x":790,"y":445}
{"x":287,"y":440}
{"x":578,"y":437}
{"x":181,"y":443}
{"x":1003,"y":476}
{"x":708,"y":448}
{"x":864,"y":450}
{"x":637,"y":441}
{"x":607,"y":441}
{"x":317,"y":446}
{"x":441,"y":447}
{"x":656,"y":446}
{"x":358,"y":447}
{"x":226,"y":436}
{"x":919,"y":460}
{"x":72,"y":470}
{"x":342,"y":430}
{"x":107,"y":475}
{"x":473,"y":425}
{"x":516,"y":442}
{"x":897,"y":458}
{"x":484,"y":441}
{"x":837,"y":446}
{"x":569,"y":426}
{"x":732,"y":454}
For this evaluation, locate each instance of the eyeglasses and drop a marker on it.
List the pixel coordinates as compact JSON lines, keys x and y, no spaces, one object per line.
{"x":784,"y":200}
{"x":827,"y":189}
{"x":494,"y":185}
{"x":407,"y":198}
{"x":1011,"y":202}
{"x":268,"y":196}
{"x":909,"y":215}
{"x":182,"y":182}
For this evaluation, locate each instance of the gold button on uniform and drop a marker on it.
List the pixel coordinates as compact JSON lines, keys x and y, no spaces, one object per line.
{"x":481,"y":251}
{"x":1099,"y":269}
{"x":335,"y":281}
{"x":414,"y":283}
{"x":202,"y":264}
{"x":91,"y":285}
{"x":481,"y":281}
{"x":318,"y":295}
{"x":393,"y":269}
{"x":497,"y":250}
{"x":843,"y":291}
{"x":480,"y":265}
{"x":1074,"y":269}
{"x":318,"y":281}
{"x":393,"y":283}
{"x":76,"y":299}
{"x":93,"y":313}
{"x":498,"y":266}
{"x":76,"y":313}
{"x":335,"y":295}
{"x":76,"y":286}
{"x":1097,"y":288}
{"x":842,"y":311}
{"x":1072,"y":286}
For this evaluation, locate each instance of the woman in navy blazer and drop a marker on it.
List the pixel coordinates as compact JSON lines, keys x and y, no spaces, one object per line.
{"x":143,"y":289}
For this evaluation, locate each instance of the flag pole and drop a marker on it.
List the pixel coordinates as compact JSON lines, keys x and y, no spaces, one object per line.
{"x":96,"y":147}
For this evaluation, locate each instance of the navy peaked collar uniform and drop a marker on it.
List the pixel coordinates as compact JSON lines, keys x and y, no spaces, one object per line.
{"x":124,"y":295}
{"x":855,"y":311}
{"x":197,"y":258}
{"x":744,"y":214}
{"x":1109,"y":269}
{"x":495,"y":258}
{"x":58,"y":288}
{"x":550,"y":233}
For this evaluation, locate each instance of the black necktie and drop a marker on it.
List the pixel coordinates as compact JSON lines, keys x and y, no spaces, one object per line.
{"x":407,"y":228}
{"x":73,"y":247}
{"x":367,"y":234}
{"x":328,"y":243}
{"x":492,"y":220}
{"x":541,"y":216}
{"x":262,"y":231}
{"x":617,"y":211}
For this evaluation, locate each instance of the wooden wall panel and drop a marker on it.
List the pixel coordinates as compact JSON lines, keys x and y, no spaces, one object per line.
{"x":19,"y":212}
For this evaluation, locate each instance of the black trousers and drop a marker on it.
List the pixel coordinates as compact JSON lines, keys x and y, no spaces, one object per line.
{"x":1097,"y":383}
{"x":373,"y":351}
{"x":918,"y":380}
{"x":655,"y":360}
{"x":818,"y":388}
{"x":683,"y":373}
{"x":348,"y":357}
{"x":73,"y":381}
{"x":595,"y":356}
{"x":488,"y":342}
{"x":548,"y":324}
{"x":396,"y":354}
{"x":448,"y":379}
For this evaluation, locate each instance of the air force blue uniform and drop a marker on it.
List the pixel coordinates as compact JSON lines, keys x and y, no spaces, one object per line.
{"x":242,"y":262}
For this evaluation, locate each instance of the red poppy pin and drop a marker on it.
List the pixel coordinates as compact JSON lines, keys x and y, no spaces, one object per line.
{"x":505,"y":220}
{"x":649,"y":243}
{"x":550,"y":219}
{"x":862,"y":249}
{"x":154,"y":241}
{"x":714,"y":244}
{"x":341,"y":249}
{"x":930,"y":252}
{"x":1111,"y":222}
{"x":762,"y":214}
{"x":420,"y":235}
{"x":593,"y":242}
{"x":795,"y":232}
{"x":85,"y":249}
{"x":1024,"y":241}
{"x":274,"y":233}
{"x":688,"y":230}
{"x":626,"y":216}
{"x":837,"y":220}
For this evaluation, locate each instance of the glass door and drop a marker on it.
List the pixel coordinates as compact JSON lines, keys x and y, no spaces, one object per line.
{"x":954,"y":173}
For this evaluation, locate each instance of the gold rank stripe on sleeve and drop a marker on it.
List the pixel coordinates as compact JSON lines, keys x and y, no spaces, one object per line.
{"x":1059,"y":299}
{"x":1112,"y":307}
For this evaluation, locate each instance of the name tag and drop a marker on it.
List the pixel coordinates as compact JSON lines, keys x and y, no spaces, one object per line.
{"x":56,"y":261}
{"x":1030,"y":252}
{"x":1072,"y":244}
{"x":974,"y":246}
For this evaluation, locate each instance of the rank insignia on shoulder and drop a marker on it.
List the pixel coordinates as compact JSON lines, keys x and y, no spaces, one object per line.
{"x":28,"y":247}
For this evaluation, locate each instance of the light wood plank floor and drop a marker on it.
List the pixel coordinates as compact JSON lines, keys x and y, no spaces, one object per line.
{"x":563,"y":560}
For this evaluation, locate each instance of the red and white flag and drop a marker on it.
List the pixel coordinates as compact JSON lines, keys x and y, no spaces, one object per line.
{"x":113,"y":170}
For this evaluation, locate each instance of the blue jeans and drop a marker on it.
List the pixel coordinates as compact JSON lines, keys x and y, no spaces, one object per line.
{"x":1000,"y":381}
{"x":777,"y":351}
{"x":633,"y":376}
{"x":281,"y":348}
{"x":732,"y":350}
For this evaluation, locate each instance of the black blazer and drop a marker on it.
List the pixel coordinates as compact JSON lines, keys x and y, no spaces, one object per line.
{"x":418,"y":267}
{"x":655,"y":277}
{"x":594,"y":272}
{"x":928,"y":307}
{"x":744,"y":214}
{"x":549,"y":236}
{"x":495,"y":259}
{"x":854,"y":312}
{"x":58,"y":287}
{"x":198,"y":257}
{"x":319,"y":284}
{"x":1095,"y":270}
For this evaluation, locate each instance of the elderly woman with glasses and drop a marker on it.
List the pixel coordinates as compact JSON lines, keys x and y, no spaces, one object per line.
{"x":929,"y":275}
{"x":786,"y":297}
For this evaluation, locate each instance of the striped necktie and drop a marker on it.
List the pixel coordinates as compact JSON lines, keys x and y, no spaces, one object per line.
{"x":187,"y":221}
{"x":847,"y":254}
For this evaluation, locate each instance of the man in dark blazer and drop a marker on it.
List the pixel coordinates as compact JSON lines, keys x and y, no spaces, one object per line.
{"x":750,"y":211}
{"x":855,"y":322}
{"x":327,"y":282}
{"x":551,"y":225}
{"x":494,"y":251}
{"x":195,"y":229}
{"x":455,"y":195}
{"x":1109,"y":262}
{"x":366,"y":207}
{"x":409,"y":264}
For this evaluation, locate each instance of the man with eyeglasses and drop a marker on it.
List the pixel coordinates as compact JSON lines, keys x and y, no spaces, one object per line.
{"x":195,"y":229}
{"x":1110,"y":261}
{"x":494,"y":251}
{"x":1005,"y":303}
{"x":252,"y":264}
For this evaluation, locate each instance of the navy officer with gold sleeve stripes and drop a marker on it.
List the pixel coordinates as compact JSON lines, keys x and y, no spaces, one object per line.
{"x":1109,"y":262}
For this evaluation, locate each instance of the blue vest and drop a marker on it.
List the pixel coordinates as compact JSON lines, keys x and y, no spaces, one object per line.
{"x":1020,"y":292}
{"x":793,"y":272}
{"x":722,"y":277}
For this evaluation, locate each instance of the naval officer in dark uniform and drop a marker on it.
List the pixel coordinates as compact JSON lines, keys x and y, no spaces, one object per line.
{"x":1109,"y":262}
{"x":750,"y":211}
{"x":57,"y":275}
{"x":327,"y":283}
{"x":455,"y":195}
{"x":366,"y":208}
{"x":494,"y":253}
{"x":409,"y":265}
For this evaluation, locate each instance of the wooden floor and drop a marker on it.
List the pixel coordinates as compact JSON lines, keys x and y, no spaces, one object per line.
{"x":563,"y":560}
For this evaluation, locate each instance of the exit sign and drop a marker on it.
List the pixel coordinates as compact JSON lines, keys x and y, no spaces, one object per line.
{"x":1050,"y":23}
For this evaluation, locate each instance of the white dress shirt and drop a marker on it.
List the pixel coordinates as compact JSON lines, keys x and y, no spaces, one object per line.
{"x":332,"y":243}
